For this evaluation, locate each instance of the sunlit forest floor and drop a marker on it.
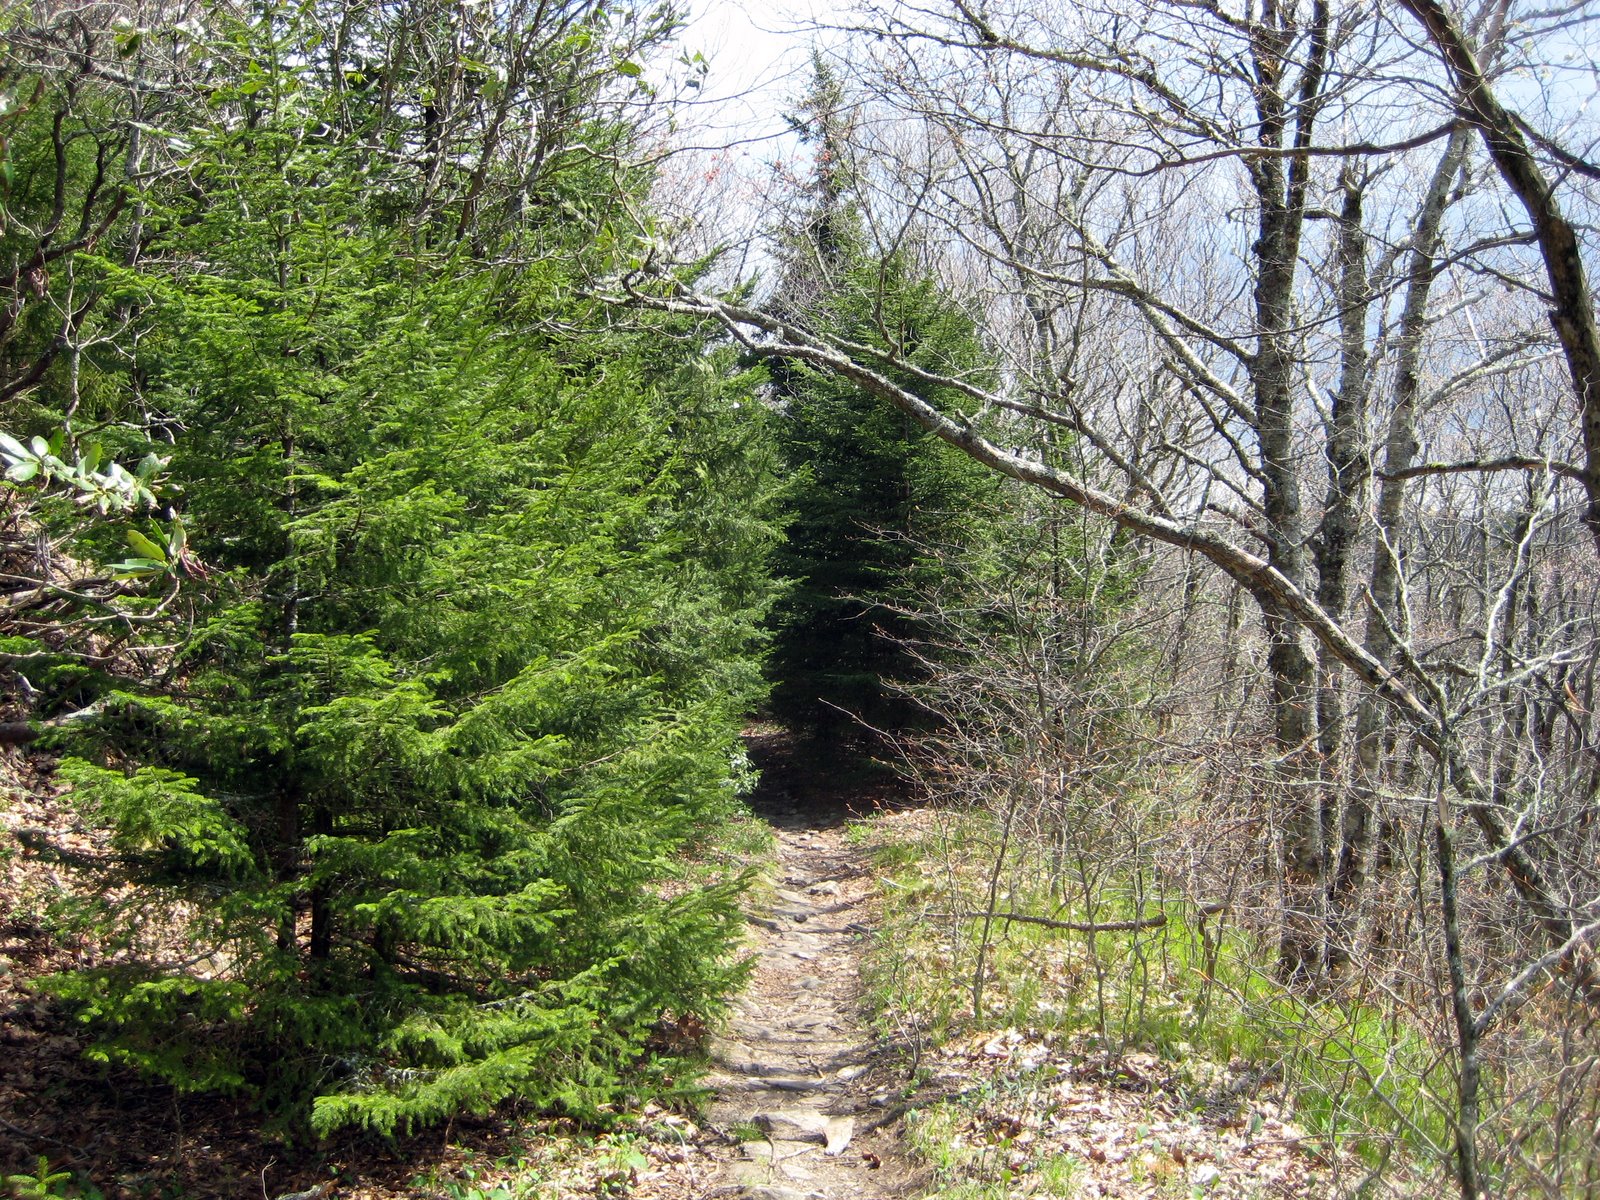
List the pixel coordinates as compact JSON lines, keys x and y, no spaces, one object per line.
{"x":827,"y":1079}
{"x":1030,"y":1097}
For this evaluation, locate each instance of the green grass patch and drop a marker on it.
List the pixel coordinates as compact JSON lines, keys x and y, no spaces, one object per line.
{"x":968,"y":1165}
{"x":1196,"y":991}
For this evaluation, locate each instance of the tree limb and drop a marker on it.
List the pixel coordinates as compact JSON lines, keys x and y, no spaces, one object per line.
{"x":1572,"y":306}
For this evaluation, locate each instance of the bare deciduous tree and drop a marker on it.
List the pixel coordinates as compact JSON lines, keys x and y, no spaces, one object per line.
{"x":1257,"y":300}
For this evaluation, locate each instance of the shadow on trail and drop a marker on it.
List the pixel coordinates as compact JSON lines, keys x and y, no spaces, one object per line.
{"x":820,"y":783}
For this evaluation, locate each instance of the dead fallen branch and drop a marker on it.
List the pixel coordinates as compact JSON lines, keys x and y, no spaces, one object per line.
{"x":1151,"y":922}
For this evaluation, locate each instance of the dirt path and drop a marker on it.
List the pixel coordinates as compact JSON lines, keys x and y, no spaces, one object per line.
{"x":801,"y":1084}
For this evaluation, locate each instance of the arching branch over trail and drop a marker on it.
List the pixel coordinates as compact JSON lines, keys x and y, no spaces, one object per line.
{"x":769,"y":336}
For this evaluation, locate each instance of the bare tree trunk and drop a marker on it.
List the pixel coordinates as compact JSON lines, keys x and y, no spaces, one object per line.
{"x":1571,"y":302}
{"x":1400,"y":449}
{"x":1281,"y":195}
{"x":1468,"y":1034}
{"x":1349,"y":469}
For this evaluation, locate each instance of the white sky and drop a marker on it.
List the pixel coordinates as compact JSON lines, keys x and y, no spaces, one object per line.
{"x":758,"y":55}
{"x":737,"y":150}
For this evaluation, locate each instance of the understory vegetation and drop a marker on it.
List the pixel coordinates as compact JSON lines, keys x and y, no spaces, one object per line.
{"x":1115,"y":982}
{"x":413,"y":663}
{"x":1080,"y":921}
{"x":1187,"y":1008}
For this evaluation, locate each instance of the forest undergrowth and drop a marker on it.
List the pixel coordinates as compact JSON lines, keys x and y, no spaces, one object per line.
{"x":74,"y":1127}
{"x":1104,"y":1041}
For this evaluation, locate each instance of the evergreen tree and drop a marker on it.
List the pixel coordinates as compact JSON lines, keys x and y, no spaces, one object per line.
{"x":872,"y":492}
{"x":449,"y":651}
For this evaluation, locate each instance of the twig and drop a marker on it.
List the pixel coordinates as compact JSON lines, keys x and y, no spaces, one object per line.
{"x":1155,"y":922}
{"x":78,"y":1152}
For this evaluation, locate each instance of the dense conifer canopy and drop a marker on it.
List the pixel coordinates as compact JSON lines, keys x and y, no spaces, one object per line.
{"x":440,"y":614}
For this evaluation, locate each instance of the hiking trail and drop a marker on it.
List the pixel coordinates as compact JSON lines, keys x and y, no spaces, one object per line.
{"x":803,"y":1091}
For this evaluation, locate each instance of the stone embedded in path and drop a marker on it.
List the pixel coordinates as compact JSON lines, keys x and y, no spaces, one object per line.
{"x":798,"y":1085}
{"x":744,"y":1084}
{"x":742,"y":1060}
{"x":765,"y":1191}
{"x":837,"y":1134}
{"x":794,"y":1125}
{"x":766,"y":1162}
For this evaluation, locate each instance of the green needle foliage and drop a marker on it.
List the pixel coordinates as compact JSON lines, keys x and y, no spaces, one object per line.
{"x":456,"y":643}
{"x":875,"y":499}
{"x":875,"y":503}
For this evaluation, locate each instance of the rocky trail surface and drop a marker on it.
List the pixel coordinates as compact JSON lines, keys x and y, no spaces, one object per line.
{"x":802,"y":1090}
